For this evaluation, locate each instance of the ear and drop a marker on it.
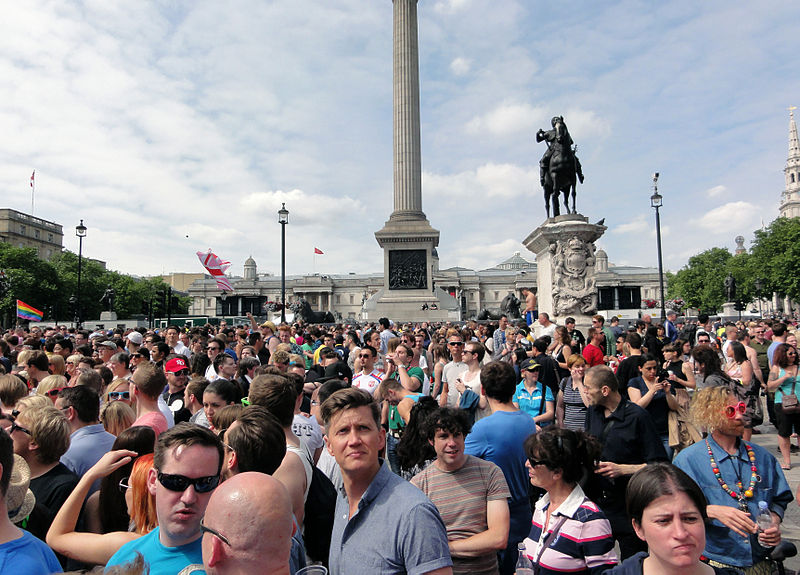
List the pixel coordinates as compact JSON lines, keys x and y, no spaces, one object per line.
{"x":327,"y":444}
{"x":382,"y":439}
{"x":152,"y":478}
{"x":217,"y":551}
{"x":431,"y":442}
{"x":638,"y":529}
{"x":233,"y":461}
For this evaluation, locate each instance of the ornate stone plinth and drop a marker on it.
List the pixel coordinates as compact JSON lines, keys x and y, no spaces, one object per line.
{"x":565,"y":276}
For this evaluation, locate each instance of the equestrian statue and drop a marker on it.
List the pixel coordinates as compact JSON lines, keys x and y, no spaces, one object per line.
{"x":559,"y":167}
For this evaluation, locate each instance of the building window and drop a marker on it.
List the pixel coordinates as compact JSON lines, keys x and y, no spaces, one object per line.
{"x":496,"y":295}
{"x":312,"y":299}
{"x":36,"y":234}
{"x":209,"y":302}
{"x":50,"y":238}
{"x":338,"y":299}
{"x":351,"y":299}
{"x":472,"y":296}
{"x":22,"y":229}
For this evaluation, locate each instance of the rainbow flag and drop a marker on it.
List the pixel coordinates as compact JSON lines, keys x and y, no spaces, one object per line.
{"x":26,"y":311}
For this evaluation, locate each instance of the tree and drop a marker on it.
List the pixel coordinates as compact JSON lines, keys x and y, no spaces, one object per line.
{"x":28,"y":278}
{"x":700,"y":281}
{"x":776,"y":257}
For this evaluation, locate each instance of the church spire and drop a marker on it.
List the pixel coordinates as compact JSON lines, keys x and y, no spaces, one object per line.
{"x":790,"y":200}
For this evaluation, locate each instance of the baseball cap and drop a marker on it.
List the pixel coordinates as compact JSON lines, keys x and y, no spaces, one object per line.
{"x":134,"y":337}
{"x":530,"y":365}
{"x":108,"y":343}
{"x":268,"y":324}
{"x":175,"y":364}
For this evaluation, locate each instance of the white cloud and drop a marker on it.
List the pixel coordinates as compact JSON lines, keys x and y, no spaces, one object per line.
{"x":637,"y":226}
{"x":508,"y":118}
{"x":716,"y":191}
{"x":460,"y":66}
{"x":450,"y":6}
{"x":728,"y":219}
{"x":479,"y":255}
{"x":504,"y":181}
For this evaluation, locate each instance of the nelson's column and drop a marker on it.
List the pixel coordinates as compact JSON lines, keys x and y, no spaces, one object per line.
{"x":408,"y":240}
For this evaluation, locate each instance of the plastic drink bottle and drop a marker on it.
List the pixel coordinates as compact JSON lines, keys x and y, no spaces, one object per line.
{"x":524,"y":565}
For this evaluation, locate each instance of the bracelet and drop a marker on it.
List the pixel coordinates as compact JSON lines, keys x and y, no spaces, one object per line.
{"x":399,"y":366}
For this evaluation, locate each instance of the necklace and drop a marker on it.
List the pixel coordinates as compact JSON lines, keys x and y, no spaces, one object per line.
{"x":743,"y":494}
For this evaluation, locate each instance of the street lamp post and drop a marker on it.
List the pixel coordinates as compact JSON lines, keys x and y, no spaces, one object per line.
{"x":759,"y":286}
{"x":656,"y":201}
{"x":80,"y":231}
{"x":283,"y":219}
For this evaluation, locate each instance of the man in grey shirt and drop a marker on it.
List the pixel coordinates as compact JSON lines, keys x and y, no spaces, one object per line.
{"x":383,"y":524}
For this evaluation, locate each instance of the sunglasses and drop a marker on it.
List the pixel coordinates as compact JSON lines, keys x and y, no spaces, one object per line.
{"x":214,"y":532}
{"x":54,"y":392}
{"x":535,"y":462}
{"x":731,"y":410}
{"x":117,"y":395}
{"x":213,"y":349}
{"x":124,"y":484}
{"x":181,"y":372}
{"x":365,"y":356}
{"x":181,"y":483}
{"x":14,"y":427}
{"x":456,"y":343}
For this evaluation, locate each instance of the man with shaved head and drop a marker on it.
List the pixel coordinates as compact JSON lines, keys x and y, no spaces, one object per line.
{"x":239,"y":513}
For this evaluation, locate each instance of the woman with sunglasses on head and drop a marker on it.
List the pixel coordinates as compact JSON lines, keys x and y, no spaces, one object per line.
{"x":783,"y":380}
{"x":51,"y":385}
{"x":569,"y":532}
{"x":735,"y":476}
{"x":668,"y":511}
{"x":94,"y":548}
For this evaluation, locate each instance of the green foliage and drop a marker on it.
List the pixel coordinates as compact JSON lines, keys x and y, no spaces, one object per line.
{"x":776,"y":257}
{"x":49,"y":285}
{"x":701,"y":281}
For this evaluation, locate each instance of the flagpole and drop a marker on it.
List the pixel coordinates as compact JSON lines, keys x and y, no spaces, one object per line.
{"x":33,"y":189}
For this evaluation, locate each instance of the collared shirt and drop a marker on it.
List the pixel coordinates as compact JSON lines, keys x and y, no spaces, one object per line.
{"x":584,"y":542}
{"x":628,"y":437}
{"x":532,"y":402}
{"x":396,"y":529}
{"x":86,"y":446}
{"x":722,"y":543}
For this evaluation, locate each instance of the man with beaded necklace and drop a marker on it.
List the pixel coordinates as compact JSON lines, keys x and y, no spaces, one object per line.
{"x":735,"y":476}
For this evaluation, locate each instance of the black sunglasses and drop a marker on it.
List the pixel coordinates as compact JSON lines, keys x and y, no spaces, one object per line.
{"x":214,"y":532}
{"x":535,"y":462}
{"x":456,"y":343}
{"x":180,"y":482}
{"x":14,"y":427}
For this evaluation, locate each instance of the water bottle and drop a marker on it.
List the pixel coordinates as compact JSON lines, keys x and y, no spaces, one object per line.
{"x":764,"y":517}
{"x":524,"y":565}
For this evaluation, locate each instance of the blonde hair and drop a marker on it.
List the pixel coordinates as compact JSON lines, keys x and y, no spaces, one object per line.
{"x":24,"y":356}
{"x":57,"y":367}
{"x":114,"y":385}
{"x":708,"y":406}
{"x":32,"y":402}
{"x":50,"y":430}
{"x":50,"y":382}
{"x":117,"y":416}
{"x":12,"y":389}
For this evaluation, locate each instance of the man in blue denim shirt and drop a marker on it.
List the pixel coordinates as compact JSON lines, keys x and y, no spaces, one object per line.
{"x":732,"y":536}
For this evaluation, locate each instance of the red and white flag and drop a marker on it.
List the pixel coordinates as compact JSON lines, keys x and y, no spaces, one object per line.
{"x":318,"y":251}
{"x":32,"y":177}
{"x":217,"y":268}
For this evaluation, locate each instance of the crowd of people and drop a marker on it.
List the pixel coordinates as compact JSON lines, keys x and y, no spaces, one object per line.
{"x":480,"y":448}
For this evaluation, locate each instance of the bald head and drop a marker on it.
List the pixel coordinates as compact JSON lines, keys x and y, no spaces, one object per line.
{"x":242,"y":509}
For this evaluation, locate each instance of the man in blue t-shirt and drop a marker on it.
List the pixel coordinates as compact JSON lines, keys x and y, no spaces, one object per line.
{"x":20,"y":551}
{"x":499,"y":438}
{"x":186,"y":469}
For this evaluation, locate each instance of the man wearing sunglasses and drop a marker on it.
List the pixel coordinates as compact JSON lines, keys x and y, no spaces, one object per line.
{"x":186,"y":469}
{"x":368,"y":378}
{"x":453,"y":371}
{"x":177,"y":372}
{"x":88,"y":440}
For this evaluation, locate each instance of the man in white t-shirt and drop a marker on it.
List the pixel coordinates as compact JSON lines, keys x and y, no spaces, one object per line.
{"x":368,"y":378}
{"x":453,"y":371}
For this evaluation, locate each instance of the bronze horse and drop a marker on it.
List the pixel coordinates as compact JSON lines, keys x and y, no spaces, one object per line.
{"x":563,"y":168}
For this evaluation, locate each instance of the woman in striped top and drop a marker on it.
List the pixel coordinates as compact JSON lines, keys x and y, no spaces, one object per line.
{"x":569,"y":532}
{"x":570,"y":409}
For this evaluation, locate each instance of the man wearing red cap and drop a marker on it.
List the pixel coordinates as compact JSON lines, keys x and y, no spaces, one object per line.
{"x":177,"y":372}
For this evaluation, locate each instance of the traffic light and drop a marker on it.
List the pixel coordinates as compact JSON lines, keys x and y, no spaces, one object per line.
{"x":739,"y":306}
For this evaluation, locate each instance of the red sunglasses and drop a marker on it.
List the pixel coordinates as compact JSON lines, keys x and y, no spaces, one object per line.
{"x":730,"y":410}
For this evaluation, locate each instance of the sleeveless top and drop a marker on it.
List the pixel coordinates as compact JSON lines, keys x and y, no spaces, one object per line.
{"x":305,"y":457}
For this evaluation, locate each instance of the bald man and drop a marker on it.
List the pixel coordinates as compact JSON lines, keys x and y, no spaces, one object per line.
{"x":239,"y":513}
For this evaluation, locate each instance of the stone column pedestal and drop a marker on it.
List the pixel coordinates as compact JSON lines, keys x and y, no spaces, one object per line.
{"x":565,"y":258}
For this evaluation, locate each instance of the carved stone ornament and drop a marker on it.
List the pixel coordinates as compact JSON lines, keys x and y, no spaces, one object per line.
{"x":574,"y":290}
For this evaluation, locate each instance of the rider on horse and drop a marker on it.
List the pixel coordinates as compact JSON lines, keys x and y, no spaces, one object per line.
{"x":551,"y":137}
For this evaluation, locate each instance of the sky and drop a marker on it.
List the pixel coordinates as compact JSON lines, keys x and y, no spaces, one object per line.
{"x":173,"y":127}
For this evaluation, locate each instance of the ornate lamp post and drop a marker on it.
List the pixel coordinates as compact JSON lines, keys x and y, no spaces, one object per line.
{"x":283,"y":219}
{"x":80,"y":231}
{"x":656,"y":201}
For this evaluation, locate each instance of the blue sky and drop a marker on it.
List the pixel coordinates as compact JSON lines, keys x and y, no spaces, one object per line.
{"x":161,"y":120}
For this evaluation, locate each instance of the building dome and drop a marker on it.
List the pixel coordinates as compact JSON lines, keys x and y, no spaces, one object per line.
{"x":250,"y":269}
{"x":601,"y":261}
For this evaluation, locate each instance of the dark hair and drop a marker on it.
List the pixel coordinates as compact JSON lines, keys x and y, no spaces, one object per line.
{"x":112,"y":509}
{"x":199,"y":364}
{"x":277,"y":393}
{"x":38,"y":359}
{"x":223,"y":418}
{"x":656,"y":480}
{"x":634,"y":340}
{"x":540,"y":345}
{"x":163,"y":348}
{"x":84,"y":400}
{"x":702,"y":318}
{"x":373,"y":352}
{"x":478,"y":348}
{"x":573,"y":452}
{"x":449,"y":419}
{"x":258,"y":440}
{"x":778,"y":329}
{"x":605,"y":377}
{"x":196,"y":387}
{"x":227,"y":390}
{"x":413,"y":448}
{"x":6,"y":460}
{"x":332,"y":386}
{"x":709,"y":359}
{"x":499,"y":381}
{"x":739,"y":352}
{"x":185,"y":434}
{"x":780,"y":358}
